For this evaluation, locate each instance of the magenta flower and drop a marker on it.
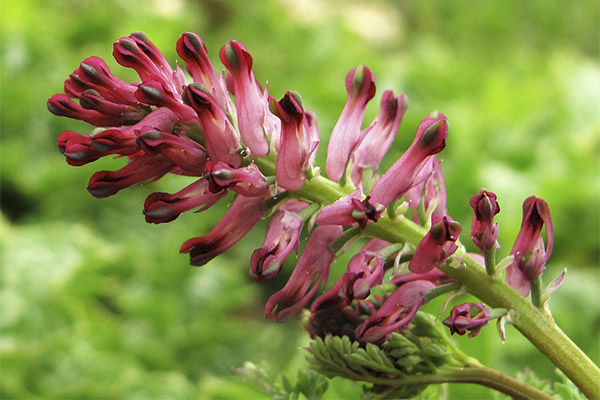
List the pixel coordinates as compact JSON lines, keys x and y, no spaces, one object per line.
{"x":396,"y":312}
{"x":296,"y":144}
{"x":484,"y":231}
{"x":311,"y":271}
{"x":360,"y":84}
{"x":365,"y":270}
{"x":164,"y":207}
{"x":243,"y":214}
{"x":191,"y":48}
{"x":183,"y":152}
{"x":396,"y":181}
{"x":283,"y":235}
{"x":428,"y":188}
{"x":437,"y":245}
{"x":222,"y":141}
{"x":468,"y":317}
{"x":251,"y":102}
{"x":378,"y":137}
{"x":350,"y":211}
{"x":247,"y":181}
{"x":530,"y":254}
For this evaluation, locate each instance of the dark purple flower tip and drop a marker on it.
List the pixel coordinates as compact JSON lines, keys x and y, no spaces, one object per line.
{"x":235,"y":57}
{"x":469,"y":317}
{"x":484,"y":231}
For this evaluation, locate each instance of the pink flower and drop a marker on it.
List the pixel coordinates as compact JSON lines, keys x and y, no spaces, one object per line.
{"x":396,"y":312}
{"x":360,"y":84}
{"x":243,"y":214}
{"x":468,"y":317}
{"x":349,"y":211}
{"x":484,"y":231}
{"x":183,"y":152}
{"x":220,"y":138}
{"x":529,"y":253}
{"x":296,"y":144}
{"x":164,"y":207}
{"x":247,"y":181}
{"x":283,"y":235}
{"x":378,"y":137}
{"x":428,"y":187}
{"x":365,"y":270}
{"x":429,"y":140}
{"x":437,"y":245}
{"x":311,"y":271}
{"x":251,"y":102}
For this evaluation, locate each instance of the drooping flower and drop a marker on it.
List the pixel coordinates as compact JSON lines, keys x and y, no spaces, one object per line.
{"x":529,"y":251}
{"x":243,"y":214}
{"x":484,"y":231}
{"x":469,"y":317}
{"x":347,"y":133}
{"x":400,"y":177}
{"x":311,"y":271}
{"x":365,"y":271}
{"x":283,"y":235}
{"x":437,"y":245}
{"x":247,"y":181}
{"x":396,"y":312}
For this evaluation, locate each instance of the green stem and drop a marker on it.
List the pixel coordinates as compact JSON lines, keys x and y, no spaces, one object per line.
{"x":532,"y":322}
{"x":536,"y":291}
{"x":490,"y":260}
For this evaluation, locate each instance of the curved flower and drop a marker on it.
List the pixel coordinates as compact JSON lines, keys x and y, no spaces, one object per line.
{"x":437,"y":245}
{"x":530,"y":254}
{"x":468,"y":317}
{"x":396,"y":312}
{"x":360,"y":84}
{"x":484,"y":231}
{"x":311,"y":271}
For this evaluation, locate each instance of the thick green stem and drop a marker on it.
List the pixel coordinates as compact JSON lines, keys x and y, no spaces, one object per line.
{"x":532,"y":322}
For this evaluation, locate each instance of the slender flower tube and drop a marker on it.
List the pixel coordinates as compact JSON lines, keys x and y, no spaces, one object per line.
{"x":247,"y":181}
{"x":365,"y":270}
{"x":529,"y":252}
{"x":243,"y":214}
{"x":183,"y":152}
{"x":139,"y":169}
{"x":311,"y":271}
{"x":220,"y":138}
{"x":429,"y":189}
{"x":62,"y":105}
{"x":251,"y":102}
{"x":162,"y":207}
{"x":157,"y":93}
{"x":283,"y":235}
{"x":437,"y":245}
{"x":296,"y":144}
{"x":484,"y":231}
{"x":93,"y":73}
{"x":347,"y":133}
{"x":350,"y":211}
{"x":398,"y":309}
{"x":378,"y":137}
{"x":429,"y":140}
{"x":191,"y":48}
{"x":469,"y":317}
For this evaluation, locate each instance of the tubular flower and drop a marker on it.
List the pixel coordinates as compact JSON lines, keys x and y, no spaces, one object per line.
{"x":484,"y":231}
{"x":296,"y":143}
{"x":437,"y":245}
{"x":350,"y":211}
{"x":365,"y":270}
{"x":360,"y":84}
{"x":378,"y":137}
{"x":251,"y":102}
{"x":396,"y":181}
{"x":396,"y":312}
{"x":243,"y":214}
{"x":311,"y":271}
{"x":468,"y":317}
{"x":283,"y":235}
{"x":529,"y":251}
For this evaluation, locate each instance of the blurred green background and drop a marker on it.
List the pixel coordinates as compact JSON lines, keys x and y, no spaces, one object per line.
{"x":95,"y":303}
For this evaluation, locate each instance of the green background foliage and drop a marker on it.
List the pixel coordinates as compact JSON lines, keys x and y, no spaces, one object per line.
{"x":95,"y":303}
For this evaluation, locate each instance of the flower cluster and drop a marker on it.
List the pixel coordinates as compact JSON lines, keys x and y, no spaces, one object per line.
{"x":225,"y":130}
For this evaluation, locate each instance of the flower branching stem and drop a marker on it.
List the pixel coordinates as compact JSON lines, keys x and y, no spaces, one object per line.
{"x":535,"y":324}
